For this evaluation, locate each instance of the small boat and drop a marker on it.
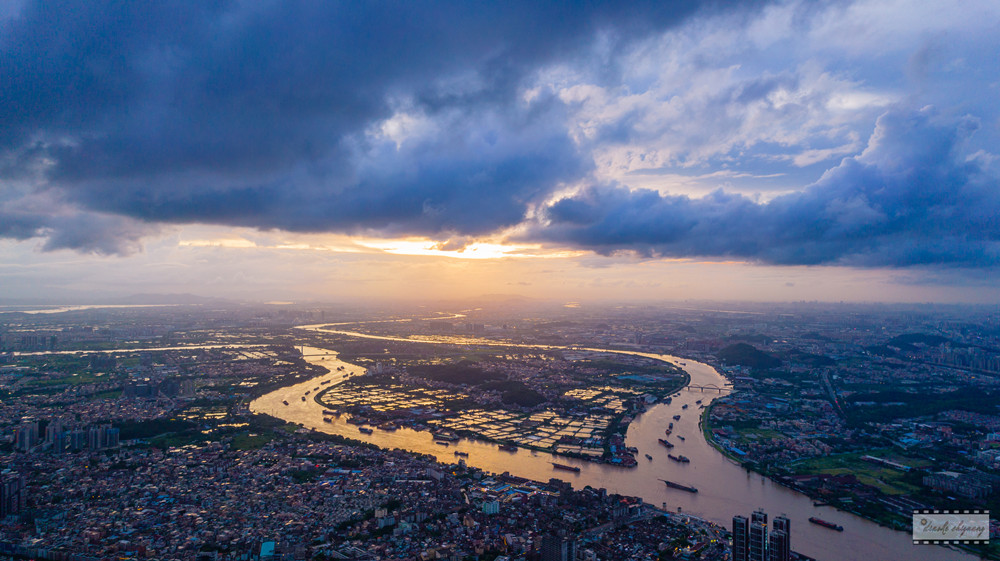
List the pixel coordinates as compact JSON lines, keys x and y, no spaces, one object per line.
{"x":826,"y":524}
{"x":685,"y":406}
{"x":698,"y":402}
{"x":308,"y":392}
{"x":388,"y":427}
{"x":441,"y":443}
{"x":677,"y":417}
{"x":565,"y":467}
{"x":683,"y":363}
{"x":303,"y":398}
{"x":327,"y":420}
{"x":463,"y":454}
{"x":680,"y":487}
{"x":648,"y":457}
{"x":325,"y":382}
{"x":671,"y":426}
{"x":316,"y":389}
{"x":328,"y":412}
{"x":441,"y":435}
{"x":285,"y":402}
{"x":508,"y":447}
{"x":680,"y":459}
{"x":681,"y":437}
{"x":366,"y":430}
{"x":664,"y":442}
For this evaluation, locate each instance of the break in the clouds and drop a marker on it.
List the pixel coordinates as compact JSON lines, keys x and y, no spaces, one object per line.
{"x":912,"y":197}
{"x":643,"y":127}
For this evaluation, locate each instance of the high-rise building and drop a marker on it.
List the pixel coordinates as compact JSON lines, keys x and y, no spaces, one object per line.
{"x":13,"y":495}
{"x":759,"y":516}
{"x":77,"y":439}
{"x":102,"y":437}
{"x":778,"y":547}
{"x":758,"y":541}
{"x":782,"y":524}
{"x":26,"y":435}
{"x":55,"y":436}
{"x":753,"y":542}
{"x":741,"y":538}
{"x":555,"y":548}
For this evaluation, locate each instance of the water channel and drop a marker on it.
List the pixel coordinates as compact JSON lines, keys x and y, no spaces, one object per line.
{"x":724,"y":488}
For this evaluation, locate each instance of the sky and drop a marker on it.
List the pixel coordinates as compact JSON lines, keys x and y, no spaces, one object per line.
{"x":829,"y":150}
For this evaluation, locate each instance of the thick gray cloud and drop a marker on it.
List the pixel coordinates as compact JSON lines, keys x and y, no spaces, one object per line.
{"x":913,"y":197}
{"x":260,"y":113}
{"x":456,"y":120}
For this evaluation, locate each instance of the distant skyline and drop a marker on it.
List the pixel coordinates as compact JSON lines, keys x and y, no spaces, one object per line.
{"x":832,"y":151}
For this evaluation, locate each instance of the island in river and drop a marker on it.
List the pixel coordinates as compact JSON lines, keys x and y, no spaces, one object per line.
{"x":578,"y":406}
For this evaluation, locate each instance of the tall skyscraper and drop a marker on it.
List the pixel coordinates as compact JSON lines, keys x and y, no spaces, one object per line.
{"x":55,"y":436}
{"x":758,"y":541}
{"x":779,"y":546}
{"x":753,"y":542}
{"x":741,"y":538}
{"x":12,"y":494}
{"x":26,"y":435}
{"x":555,"y":548}
{"x":782,"y":524}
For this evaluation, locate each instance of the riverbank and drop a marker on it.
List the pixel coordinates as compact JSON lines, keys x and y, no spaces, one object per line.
{"x":725,"y":488}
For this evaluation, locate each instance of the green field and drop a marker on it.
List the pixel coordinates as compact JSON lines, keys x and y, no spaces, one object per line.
{"x":889,"y":481}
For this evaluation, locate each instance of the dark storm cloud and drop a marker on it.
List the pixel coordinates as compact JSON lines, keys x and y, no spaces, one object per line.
{"x":912,"y":197}
{"x":256,"y":113}
{"x":414,"y":118}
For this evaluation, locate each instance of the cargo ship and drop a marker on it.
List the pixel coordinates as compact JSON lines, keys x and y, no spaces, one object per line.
{"x":463,"y":454}
{"x":329,"y":412}
{"x":451,"y":437}
{"x":508,"y":448}
{"x":680,"y":487}
{"x":826,"y":524}
{"x":365,"y":430}
{"x":440,"y":443}
{"x":664,"y":442}
{"x":565,"y":467}
{"x":681,"y":459}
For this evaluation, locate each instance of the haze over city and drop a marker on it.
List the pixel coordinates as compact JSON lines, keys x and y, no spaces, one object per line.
{"x":835,"y":151}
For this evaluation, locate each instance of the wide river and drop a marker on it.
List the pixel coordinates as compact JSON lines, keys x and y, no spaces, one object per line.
{"x":724,"y":488}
